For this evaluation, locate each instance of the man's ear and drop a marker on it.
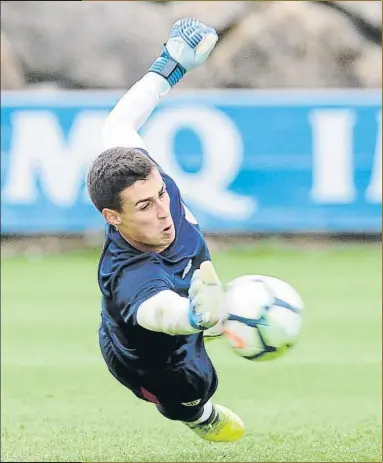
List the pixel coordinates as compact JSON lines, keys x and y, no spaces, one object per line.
{"x":112,"y":217}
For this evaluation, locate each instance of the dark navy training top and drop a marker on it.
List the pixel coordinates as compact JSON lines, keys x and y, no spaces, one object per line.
{"x":127,"y":277}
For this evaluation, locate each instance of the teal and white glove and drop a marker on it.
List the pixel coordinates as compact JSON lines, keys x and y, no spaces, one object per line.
{"x":190,"y":43}
{"x":206,"y":297}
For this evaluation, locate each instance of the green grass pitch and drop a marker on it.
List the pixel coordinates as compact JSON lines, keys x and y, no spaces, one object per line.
{"x":320,"y":403}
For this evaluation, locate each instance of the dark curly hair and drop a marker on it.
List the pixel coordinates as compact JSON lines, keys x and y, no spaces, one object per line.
{"x":114,"y":170}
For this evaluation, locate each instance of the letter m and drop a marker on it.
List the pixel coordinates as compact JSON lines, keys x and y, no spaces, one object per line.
{"x":41,"y":154}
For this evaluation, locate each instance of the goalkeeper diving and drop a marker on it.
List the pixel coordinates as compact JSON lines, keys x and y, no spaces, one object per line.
{"x":161,"y":296}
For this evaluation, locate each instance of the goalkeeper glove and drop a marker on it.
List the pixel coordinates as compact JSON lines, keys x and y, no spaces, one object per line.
{"x":190,"y":43}
{"x":206,"y":297}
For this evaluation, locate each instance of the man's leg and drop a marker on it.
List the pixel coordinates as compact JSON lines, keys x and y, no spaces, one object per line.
{"x":210,"y":422}
{"x":187,"y":414}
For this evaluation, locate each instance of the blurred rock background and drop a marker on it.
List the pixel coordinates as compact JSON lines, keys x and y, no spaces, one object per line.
{"x":262,"y":44}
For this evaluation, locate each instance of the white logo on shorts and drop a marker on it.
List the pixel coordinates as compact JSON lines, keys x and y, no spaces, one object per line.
{"x":193,"y":403}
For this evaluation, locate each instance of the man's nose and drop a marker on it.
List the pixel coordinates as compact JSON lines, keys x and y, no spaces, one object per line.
{"x":163,"y":211}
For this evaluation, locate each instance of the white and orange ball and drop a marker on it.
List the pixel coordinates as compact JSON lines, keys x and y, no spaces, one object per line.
{"x":265,"y":316}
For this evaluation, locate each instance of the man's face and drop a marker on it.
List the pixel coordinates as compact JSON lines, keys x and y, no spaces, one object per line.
{"x":146,"y":222}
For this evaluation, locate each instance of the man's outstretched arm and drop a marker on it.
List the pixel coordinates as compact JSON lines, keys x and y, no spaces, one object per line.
{"x":190,"y":43}
{"x":169,"y":313}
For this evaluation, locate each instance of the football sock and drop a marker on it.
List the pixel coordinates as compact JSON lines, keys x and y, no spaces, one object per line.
{"x":206,"y":414}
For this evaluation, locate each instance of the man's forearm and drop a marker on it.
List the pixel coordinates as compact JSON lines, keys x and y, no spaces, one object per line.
{"x":166,"y":312}
{"x":189,"y":44}
{"x":132,"y":111}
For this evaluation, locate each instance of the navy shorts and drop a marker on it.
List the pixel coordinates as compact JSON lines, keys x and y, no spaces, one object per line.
{"x":183,"y":388}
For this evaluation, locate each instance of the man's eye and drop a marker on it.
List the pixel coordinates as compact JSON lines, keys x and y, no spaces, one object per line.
{"x":162,"y":193}
{"x":144,"y":208}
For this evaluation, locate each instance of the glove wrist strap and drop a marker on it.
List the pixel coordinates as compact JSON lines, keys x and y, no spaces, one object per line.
{"x":167,"y":67}
{"x":195,"y":319}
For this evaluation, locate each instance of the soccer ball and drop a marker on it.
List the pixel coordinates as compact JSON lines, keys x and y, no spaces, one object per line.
{"x":265,"y":316}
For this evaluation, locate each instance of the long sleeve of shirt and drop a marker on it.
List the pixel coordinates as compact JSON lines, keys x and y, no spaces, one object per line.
{"x":132,"y":111}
